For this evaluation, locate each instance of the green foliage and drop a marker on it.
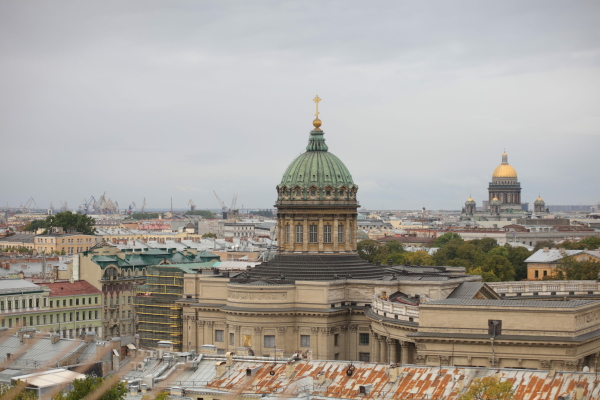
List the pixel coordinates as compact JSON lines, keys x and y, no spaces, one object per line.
{"x":571,"y":269}
{"x":68,"y":220}
{"x":590,"y":243}
{"x":35,"y":225}
{"x":500,"y":267}
{"x":6,"y":394}
{"x":162,"y":396}
{"x":484,"y":257}
{"x":204,"y":213}
{"x":209,"y":235}
{"x":445,"y":238}
{"x":140,"y":216}
{"x":374,"y":251}
{"x":517,"y":257}
{"x":488,"y":388}
{"x":542,"y":244}
{"x":367,"y":249}
{"x":263,"y":213}
{"x":83,"y":387}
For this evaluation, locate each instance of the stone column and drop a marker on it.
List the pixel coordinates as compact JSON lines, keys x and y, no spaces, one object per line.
{"x":347,"y":233}
{"x":393,"y":350}
{"x":334,"y":234}
{"x":383,"y":349}
{"x":404,"y":354}
{"x":306,"y":234}
{"x":320,"y":233}
{"x":376,"y":349}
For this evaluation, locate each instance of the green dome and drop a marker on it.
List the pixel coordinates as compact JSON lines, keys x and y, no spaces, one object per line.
{"x":317,"y":168}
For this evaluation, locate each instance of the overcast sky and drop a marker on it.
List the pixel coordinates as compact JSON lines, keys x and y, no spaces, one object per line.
{"x":162,"y":99}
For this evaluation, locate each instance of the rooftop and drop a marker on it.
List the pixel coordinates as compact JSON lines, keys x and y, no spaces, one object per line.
{"x":71,"y":289}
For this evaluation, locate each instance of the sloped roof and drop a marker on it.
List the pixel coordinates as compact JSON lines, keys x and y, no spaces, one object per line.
{"x":71,"y":289}
{"x":551,"y":255}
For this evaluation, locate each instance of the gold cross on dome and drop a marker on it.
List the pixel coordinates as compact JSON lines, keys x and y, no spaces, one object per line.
{"x":317,"y":100}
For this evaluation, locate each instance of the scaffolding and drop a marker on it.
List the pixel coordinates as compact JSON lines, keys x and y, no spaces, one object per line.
{"x":159,"y":317}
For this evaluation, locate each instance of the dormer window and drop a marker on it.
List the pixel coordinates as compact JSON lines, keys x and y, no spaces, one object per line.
{"x":298,"y":192}
{"x":328,"y":193}
{"x":341,"y":192}
{"x":313,"y":192}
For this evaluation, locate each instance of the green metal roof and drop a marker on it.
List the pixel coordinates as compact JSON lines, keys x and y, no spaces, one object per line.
{"x":317,"y":167}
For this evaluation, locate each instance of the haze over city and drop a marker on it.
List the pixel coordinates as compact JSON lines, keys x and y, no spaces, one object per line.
{"x":177,"y":99}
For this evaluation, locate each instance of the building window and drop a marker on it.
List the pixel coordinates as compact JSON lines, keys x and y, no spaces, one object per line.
{"x":327,"y":233}
{"x":219,"y":335}
{"x":537,"y":273}
{"x":96,"y":298}
{"x":30,"y":303}
{"x":51,"y":303}
{"x":365,"y":357}
{"x":9,"y":305}
{"x":232,"y":339}
{"x":44,"y":320}
{"x":95,"y":314}
{"x":304,"y":340}
{"x":37,"y":320}
{"x":328,"y":193}
{"x":287,"y":233}
{"x":65,"y":303}
{"x":363,"y":339}
{"x":71,"y":316}
{"x":83,"y":301}
{"x":341,"y":233}
{"x":312,"y":234}
{"x":77,"y":316}
{"x":336,"y":356}
{"x":269,"y":341}
{"x":313,"y":192}
{"x":30,"y":320}
{"x":336,"y":339}
{"x":545,"y":273}
{"x":71,"y":302}
{"x":76,"y":302}
{"x":52,"y":319}
{"x":299,"y":234}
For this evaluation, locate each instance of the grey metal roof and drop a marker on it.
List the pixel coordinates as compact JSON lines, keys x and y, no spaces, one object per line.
{"x":466,"y":290}
{"x":451,"y":335}
{"x":511,"y":303}
{"x":551,"y":255}
{"x":41,"y":353}
{"x":17,"y":285}
{"x":18,"y":237}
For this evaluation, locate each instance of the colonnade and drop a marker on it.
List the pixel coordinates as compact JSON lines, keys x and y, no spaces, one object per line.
{"x":390,"y":351}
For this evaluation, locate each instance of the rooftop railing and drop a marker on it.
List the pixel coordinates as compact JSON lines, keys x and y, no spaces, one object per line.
{"x":391,"y":309}
{"x":545,"y":288}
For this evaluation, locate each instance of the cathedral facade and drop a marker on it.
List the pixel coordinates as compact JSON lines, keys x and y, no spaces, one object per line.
{"x":504,"y":197}
{"x":317,"y":299}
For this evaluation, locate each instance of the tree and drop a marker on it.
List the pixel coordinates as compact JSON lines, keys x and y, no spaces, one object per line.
{"x":263,"y":213}
{"x":162,"y":396}
{"x":68,"y":220}
{"x":485,"y":244}
{"x":445,"y":238}
{"x":16,"y":392}
{"x":367,"y":249}
{"x":589,"y":243}
{"x":500,"y":267}
{"x":204,"y":213}
{"x":209,"y":235}
{"x":544,"y":243}
{"x":571,"y":269}
{"x":517,"y":256}
{"x":83,"y":387}
{"x":418,"y":258}
{"x":139,"y":216}
{"x":488,"y":388}
{"x":35,"y":225}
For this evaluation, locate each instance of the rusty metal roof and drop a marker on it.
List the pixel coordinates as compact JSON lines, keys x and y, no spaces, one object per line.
{"x":413,"y":382}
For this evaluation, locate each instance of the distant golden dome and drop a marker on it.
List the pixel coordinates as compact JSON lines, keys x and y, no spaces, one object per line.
{"x":495,"y":199}
{"x":504,"y":171}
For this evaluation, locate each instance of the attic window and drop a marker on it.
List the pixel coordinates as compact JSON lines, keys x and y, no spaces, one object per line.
{"x":328,"y":193}
{"x":313,"y":192}
{"x":341,"y":192}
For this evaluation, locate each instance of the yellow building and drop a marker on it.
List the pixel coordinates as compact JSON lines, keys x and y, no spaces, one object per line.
{"x":543,"y":263}
{"x":69,"y":243}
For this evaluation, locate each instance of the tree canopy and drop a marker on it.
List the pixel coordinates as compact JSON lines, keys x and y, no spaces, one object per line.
{"x":571,"y":269}
{"x":67,"y":220}
{"x":589,"y":243}
{"x":374,"y":251}
{"x":445,"y":238}
{"x":83,"y":387}
{"x":204,"y":213}
{"x":488,"y":388}
{"x":140,"y":216}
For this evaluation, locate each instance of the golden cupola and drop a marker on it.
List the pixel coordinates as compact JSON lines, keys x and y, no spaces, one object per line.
{"x":504,"y":170}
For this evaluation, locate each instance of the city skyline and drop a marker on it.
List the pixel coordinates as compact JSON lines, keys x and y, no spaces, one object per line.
{"x":175,"y":100}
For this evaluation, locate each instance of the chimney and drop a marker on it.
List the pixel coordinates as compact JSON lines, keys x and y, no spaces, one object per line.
{"x":289,"y":369}
{"x":229,"y":355}
{"x":546,"y":250}
{"x":54,"y":338}
{"x":220,"y":368}
{"x":561,"y":250}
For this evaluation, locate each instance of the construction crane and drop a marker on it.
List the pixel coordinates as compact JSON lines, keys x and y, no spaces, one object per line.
{"x":132,"y":207}
{"x":144,"y":206}
{"x":64,"y":206}
{"x":192,"y":205}
{"x":27,"y":205}
{"x":233,"y":202}
{"x":223,"y":206}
